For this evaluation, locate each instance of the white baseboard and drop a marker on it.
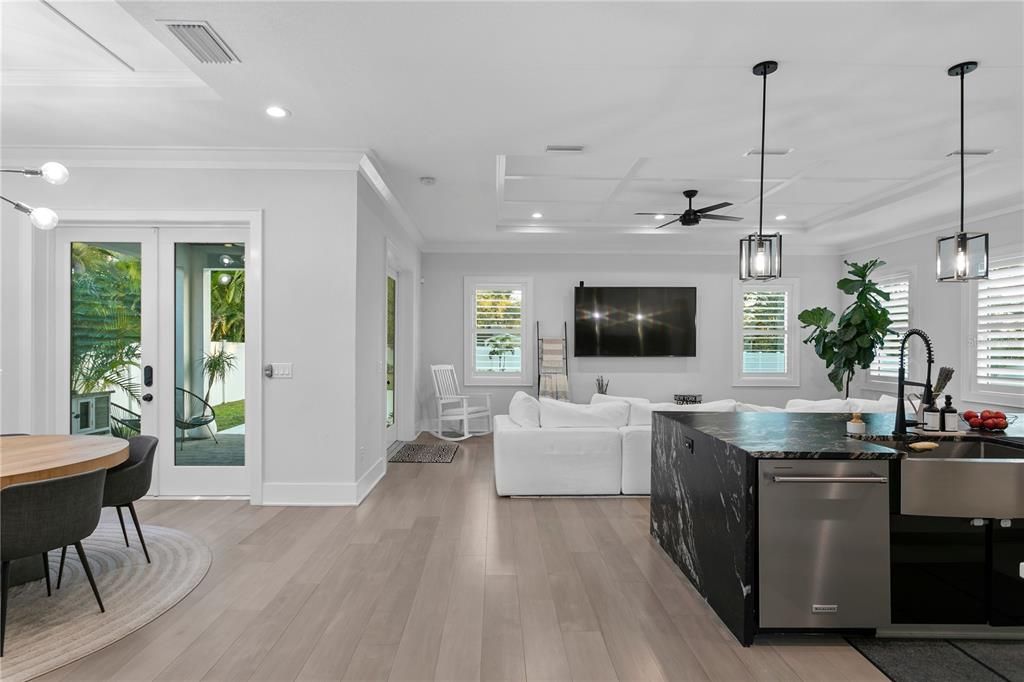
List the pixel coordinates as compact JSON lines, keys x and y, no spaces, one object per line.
{"x":324,"y":494}
{"x":368,"y":481}
{"x":309,"y":494}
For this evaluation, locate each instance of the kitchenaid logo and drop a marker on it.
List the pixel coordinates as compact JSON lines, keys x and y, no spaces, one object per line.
{"x":824,"y":608}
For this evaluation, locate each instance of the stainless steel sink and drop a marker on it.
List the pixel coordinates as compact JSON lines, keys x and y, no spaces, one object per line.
{"x":976,"y":478}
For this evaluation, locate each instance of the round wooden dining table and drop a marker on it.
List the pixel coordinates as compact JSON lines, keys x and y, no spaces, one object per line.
{"x":24,"y":459}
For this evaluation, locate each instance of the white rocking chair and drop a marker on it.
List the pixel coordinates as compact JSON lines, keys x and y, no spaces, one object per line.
{"x":446,"y":391}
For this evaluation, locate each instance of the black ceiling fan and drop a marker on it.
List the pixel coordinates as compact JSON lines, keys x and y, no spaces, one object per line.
{"x":693,"y":217}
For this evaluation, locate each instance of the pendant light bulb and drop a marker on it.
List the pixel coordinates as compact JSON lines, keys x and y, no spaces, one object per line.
{"x":759,"y":260}
{"x":43,"y":218}
{"x":54,"y":173}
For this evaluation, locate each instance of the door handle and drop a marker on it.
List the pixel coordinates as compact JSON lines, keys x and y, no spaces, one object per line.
{"x":147,"y":375}
{"x":830,"y":479}
{"x":148,"y":398}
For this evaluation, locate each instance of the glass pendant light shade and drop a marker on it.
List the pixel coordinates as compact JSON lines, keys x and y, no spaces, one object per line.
{"x":761,"y":257}
{"x":961,"y":257}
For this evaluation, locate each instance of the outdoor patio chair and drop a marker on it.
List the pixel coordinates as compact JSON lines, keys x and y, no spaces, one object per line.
{"x":123,"y":422}
{"x":192,"y":412}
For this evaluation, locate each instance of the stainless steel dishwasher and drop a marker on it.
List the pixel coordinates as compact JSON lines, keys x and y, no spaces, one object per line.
{"x":823,"y":543}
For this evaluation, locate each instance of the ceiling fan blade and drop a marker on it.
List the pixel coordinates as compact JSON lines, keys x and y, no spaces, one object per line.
{"x":659,"y":213}
{"x":709,"y":209}
{"x":674,"y":220}
{"x":719,"y":217}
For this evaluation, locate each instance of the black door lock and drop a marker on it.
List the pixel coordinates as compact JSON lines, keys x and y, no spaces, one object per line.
{"x":147,"y":375}
{"x":148,"y":398}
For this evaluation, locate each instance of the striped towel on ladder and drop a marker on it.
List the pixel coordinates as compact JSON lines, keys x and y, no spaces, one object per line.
{"x":554,"y":382}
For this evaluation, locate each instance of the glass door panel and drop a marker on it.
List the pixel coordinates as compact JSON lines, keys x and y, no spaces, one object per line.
{"x":209,"y":354}
{"x":389,"y":360}
{"x":105,"y":325}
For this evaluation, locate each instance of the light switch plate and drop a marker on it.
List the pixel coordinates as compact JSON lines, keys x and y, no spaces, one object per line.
{"x":282,"y":370}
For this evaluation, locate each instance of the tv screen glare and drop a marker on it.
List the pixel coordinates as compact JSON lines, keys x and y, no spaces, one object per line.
{"x":636,"y":322}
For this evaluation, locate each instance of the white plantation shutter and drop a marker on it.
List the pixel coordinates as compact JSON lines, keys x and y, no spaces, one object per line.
{"x":887,"y":358}
{"x":765,"y":338}
{"x":497,"y":330}
{"x":1000,"y":329}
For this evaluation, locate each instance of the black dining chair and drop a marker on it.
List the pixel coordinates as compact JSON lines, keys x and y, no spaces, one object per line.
{"x":38,"y":517}
{"x":127,"y":482}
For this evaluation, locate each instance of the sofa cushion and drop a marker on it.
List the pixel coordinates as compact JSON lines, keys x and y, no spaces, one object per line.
{"x":831,"y":405}
{"x":750,"y":407}
{"x":555,"y":414}
{"x":641,"y":415}
{"x":524,"y":410}
{"x":604,"y":398}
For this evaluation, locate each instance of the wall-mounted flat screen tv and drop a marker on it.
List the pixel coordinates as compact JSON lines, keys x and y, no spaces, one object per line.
{"x":636,"y":322}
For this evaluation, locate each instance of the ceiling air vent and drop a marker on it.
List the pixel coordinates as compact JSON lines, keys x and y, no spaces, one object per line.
{"x":564,"y":148}
{"x":202,"y":41}
{"x":971,"y":152}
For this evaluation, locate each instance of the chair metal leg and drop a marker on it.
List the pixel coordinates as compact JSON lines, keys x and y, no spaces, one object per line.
{"x":212,"y":434}
{"x":60,"y":571}
{"x":46,"y":572}
{"x":5,"y":582}
{"x":124,"y":532}
{"x":138,"y":529}
{"x":88,"y":574}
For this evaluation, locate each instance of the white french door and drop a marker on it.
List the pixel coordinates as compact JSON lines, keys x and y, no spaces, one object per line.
{"x":150,"y":336}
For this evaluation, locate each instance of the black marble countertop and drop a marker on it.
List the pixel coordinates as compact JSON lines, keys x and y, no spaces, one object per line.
{"x":807,"y":435}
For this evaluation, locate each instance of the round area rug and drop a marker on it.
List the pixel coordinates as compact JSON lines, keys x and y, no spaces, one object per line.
{"x":44,"y":633}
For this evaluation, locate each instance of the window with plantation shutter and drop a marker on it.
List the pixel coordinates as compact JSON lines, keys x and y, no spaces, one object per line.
{"x":999,"y":332}
{"x":887,"y":359}
{"x":497,"y":330}
{"x":766,"y":346}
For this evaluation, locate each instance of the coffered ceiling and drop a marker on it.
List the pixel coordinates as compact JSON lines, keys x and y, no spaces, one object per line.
{"x":659,"y":94}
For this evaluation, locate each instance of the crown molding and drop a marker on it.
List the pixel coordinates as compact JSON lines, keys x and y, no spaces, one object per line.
{"x":31,"y":78}
{"x":533,"y":248}
{"x":221,"y":158}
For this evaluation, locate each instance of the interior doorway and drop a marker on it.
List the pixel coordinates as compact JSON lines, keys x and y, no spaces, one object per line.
{"x":390,"y":348}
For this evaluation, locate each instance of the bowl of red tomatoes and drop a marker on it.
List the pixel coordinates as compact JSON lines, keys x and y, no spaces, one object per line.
{"x":986,"y":420}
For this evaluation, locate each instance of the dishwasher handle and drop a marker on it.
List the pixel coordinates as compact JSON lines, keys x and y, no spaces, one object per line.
{"x":830,"y":479}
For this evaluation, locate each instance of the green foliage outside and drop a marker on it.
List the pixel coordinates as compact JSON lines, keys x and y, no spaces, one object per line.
{"x":106,"y":319}
{"x":861,"y":330}
{"x":499,"y":311}
{"x":227,"y":306}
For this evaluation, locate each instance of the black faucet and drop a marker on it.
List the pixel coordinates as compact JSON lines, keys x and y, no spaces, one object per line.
{"x":926,"y":399}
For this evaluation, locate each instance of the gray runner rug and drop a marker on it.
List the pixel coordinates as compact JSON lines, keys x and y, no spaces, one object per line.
{"x":426,"y":453}
{"x":929,"y":660}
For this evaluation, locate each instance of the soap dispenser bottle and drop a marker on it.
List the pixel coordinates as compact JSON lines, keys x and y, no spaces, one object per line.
{"x":932,"y":418}
{"x":949,"y":419}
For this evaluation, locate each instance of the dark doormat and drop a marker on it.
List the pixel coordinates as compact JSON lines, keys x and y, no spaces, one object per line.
{"x":426,"y":453}
{"x":930,"y":660}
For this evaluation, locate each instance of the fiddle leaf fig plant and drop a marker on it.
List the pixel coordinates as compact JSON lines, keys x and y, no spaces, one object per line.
{"x":860,"y":331}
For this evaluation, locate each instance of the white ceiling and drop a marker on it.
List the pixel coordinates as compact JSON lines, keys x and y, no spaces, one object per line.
{"x":660,"y":94}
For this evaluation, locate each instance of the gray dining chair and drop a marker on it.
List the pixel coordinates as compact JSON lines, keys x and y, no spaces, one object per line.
{"x":45,"y":515}
{"x":127,"y":482}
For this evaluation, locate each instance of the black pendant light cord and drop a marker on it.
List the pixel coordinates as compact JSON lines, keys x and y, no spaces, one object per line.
{"x":764,"y":104}
{"x":963,"y":152}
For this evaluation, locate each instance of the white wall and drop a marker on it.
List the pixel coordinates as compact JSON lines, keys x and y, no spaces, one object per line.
{"x":938,"y":308}
{"x":555,"y":275}
{"x":381,"y":239}
{"x":310,"y":288}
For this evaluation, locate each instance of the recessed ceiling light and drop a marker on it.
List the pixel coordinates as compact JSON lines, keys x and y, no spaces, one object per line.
{"x":275,"y":111}
{"x":537,"y":215}
{"x":769,"y":152}
{"x":660,"y":216}
{"x":780,"y":217}
{"x":564,"y":148}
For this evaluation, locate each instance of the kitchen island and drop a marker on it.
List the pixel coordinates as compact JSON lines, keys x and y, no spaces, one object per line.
{"x":709,"y":475}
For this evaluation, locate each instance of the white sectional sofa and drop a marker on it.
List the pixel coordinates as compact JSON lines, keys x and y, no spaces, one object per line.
{"x":548,"y":447}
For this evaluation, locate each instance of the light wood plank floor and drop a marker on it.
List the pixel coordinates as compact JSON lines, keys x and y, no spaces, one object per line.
{"x":435,"y":577}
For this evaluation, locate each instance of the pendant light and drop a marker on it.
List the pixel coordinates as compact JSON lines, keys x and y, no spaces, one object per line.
{"x":962,"y":256}
{"x":52,"y":172}
{"x":760,"y":254}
